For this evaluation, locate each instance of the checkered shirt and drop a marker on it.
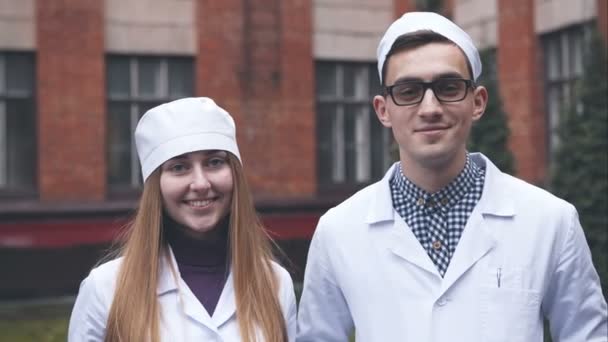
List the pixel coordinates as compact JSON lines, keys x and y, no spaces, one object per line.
{"x":437,"y":220}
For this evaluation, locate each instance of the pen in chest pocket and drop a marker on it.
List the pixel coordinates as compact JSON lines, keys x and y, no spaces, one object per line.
{"x":498,"y":275}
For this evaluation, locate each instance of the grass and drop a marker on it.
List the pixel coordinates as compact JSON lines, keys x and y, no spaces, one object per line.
{"x":35,"y":321}
{"x":37,"y":330}
{"x":48,"y":322}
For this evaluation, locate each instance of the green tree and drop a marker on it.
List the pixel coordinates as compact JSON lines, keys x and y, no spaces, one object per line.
{"x":490,"y":134}
{"x":580,"y":171}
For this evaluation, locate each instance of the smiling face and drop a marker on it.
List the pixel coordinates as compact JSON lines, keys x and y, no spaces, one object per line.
{"x":196,"y":190}
{"x":431,"y":135}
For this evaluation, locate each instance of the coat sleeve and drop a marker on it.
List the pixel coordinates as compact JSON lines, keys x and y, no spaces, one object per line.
{"x":89,"y":314}
{"x":574,"y":303}
{"x":288,"y":303}
{"x":323,"y":314}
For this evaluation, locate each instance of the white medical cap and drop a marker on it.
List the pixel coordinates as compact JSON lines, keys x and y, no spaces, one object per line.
{"x":429,"y":21}
{"x":183,"y":126}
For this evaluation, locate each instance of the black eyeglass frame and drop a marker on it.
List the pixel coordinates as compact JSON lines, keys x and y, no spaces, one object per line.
{"x":388,"y":90}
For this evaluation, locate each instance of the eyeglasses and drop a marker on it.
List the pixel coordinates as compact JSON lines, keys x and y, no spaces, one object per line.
{"x":445,"y":89}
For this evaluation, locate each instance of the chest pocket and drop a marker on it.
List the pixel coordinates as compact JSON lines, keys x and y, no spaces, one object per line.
{"x":509,"y":311}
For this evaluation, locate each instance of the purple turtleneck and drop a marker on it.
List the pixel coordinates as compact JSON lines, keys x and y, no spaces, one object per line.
{"x":202,"y":264}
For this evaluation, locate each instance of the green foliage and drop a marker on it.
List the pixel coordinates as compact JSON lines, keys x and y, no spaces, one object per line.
{"x":490,"y":134}
{"x":580,"y":172}
{"x":35,"y":321}
{"x":49,"y":330}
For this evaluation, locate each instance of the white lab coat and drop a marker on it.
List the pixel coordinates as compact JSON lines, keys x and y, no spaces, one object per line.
{"x":522,"y":256}
{"x":183,"y":317}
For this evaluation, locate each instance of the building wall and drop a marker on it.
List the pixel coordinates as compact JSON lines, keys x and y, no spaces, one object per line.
{"x":17,"y":29}
{"x":150,"y":26}
{"x":349,"y":30}
{"x":514,"y":28}
{"x":520,"y":78}
{"x":551,"y":15}
{"x":602,"y":10}
{"x":70,"y":100}
{"x":257,"y":59}
{"x":479,"y":19}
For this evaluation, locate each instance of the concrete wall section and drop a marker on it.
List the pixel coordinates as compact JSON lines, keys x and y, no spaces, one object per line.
{"x":551,"y":15}
{"x":150,"y":26}
{"x":478,"y":19}
{"x":17,"y":29}
{"x":349,"y":30}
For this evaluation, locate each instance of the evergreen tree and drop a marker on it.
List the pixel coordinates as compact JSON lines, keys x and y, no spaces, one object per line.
{"x":490,"y":134}
{"x":580,"y":172}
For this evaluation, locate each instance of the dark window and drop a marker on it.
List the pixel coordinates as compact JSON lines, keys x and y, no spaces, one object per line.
{"x":134,"y":85}
{"x":352,"y":145}
{"x":563,"y":60}
{"x":18,"y":148}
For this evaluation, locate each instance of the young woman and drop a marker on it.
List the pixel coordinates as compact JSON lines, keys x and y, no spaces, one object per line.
{"x":195,"y":265}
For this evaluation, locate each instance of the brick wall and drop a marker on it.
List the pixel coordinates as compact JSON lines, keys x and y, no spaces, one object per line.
{"x":448,"y":8}
{"x":402,"y":6}
{"x":602,"y":20}
{"x":295,"y":129}
{"x":71,"y":99}
{"x":520,"y":76}
{"x":255,"y":59}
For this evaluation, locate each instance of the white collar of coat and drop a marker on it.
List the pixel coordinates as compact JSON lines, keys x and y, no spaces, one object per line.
{"x":495,"y":199}
{"x":169,"y":273}
{"x":171,"y":281}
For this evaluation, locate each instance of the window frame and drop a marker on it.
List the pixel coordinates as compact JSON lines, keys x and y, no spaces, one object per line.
{"x":364,"y":127}
{"x":8,"y":190}
{"x":560,"y":90}
{"x":138,"y":104}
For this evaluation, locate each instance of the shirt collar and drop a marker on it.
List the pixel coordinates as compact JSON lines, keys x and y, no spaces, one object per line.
{"x":446,"y":197}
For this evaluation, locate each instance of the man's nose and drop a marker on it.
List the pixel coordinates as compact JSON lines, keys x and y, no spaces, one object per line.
{"x":429,"y":105}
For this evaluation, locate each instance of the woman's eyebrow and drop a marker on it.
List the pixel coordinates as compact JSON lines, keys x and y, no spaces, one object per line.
{"x":181,"y":156}
{"x":216,"y":152}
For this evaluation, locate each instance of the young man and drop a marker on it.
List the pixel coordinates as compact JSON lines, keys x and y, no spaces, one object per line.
{"x":446,"y":247}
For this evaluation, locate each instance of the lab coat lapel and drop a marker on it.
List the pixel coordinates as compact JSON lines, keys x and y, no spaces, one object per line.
{"x":394,"y":231}
{"x":170,"y":282}
{"x":226,"y":305}
{"x":403,"y":243}
{"x":479,"y":236}
{"x":194,"y":309}
{"x":475,"y":242}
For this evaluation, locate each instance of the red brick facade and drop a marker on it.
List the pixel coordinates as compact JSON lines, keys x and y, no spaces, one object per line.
{"x":602,"y":19}
{"x":402,"y":6}
{"x":520,"y":83}
{"x":71,"y":100}
{"x":255,"y":58}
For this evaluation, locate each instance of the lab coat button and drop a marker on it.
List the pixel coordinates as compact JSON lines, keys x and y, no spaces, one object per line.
{"x":442,"y":301}
{"x":437,"y":245}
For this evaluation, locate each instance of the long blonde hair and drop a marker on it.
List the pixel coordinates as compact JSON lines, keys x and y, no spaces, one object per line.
{"x":134,"y":314}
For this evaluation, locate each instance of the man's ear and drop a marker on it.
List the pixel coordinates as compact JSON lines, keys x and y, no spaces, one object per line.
{"x":480,"y":101}
{"x":381,"y":110}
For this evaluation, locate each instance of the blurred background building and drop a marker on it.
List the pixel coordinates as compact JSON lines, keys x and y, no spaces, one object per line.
{"x":298,"y":76}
